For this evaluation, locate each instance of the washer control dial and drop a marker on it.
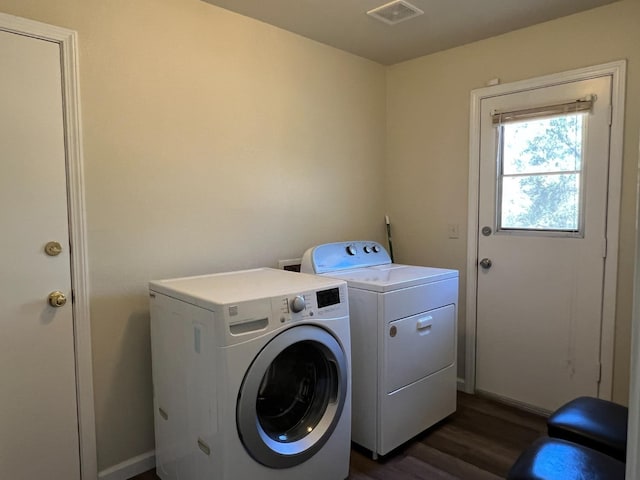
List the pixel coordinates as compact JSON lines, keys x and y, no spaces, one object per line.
{"x":351,"y":249}
{"x":376,"y":248}
{"x":367,"y":249}
{"x":298,"y":304}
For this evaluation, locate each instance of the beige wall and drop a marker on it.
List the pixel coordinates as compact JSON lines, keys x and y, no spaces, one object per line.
{"x":212,"y":142}
{"x":428,"y":130}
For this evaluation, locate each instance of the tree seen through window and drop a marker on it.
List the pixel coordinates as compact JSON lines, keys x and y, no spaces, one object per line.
{"x":541,"y":174}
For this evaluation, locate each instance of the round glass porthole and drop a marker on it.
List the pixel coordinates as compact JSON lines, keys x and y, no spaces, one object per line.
{"x":295,"y":391}
{"x":292,"y":396}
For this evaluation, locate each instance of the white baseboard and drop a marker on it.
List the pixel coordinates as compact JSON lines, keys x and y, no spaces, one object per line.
{"x":129,"y":468}
{"x":515,"y":403}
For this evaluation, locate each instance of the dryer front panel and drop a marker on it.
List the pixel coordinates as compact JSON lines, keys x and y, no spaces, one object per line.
{"x":292,"y":396}
{"x":417,"y":346}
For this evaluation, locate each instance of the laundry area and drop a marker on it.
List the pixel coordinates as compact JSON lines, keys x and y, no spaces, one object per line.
{"x":272,"y":374}
{"x":244,"y":241}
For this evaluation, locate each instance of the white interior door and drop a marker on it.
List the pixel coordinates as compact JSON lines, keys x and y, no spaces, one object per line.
{"x":38,"y":404}
{"x":542,"y":225}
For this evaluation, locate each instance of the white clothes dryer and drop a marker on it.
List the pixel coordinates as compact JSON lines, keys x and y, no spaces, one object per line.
{"x":251,"y":376}
{"x":403,"y":347}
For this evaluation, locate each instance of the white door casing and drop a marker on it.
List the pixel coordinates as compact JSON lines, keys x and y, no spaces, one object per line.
{"x":633,"y":436}
{"x":53,"y":160}
{"x":614,"y":71}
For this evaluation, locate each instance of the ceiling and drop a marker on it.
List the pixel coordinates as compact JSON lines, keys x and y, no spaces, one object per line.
{"x":344,"y":24}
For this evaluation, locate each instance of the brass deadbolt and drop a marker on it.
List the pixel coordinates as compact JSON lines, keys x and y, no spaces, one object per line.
{"x":53,"y":249}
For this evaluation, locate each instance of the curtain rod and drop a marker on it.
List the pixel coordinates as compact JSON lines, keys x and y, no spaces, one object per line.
{"x":576,"y":106}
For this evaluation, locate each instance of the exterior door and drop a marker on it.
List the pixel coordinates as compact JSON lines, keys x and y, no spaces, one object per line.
{"x":38,"y":403}
{"x":544,"y":156}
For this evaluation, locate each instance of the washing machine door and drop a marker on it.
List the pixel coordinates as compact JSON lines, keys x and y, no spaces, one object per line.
{"x":292,"y":396}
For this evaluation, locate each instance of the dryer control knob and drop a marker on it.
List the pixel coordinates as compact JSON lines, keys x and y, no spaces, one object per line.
{"x":376,"y":248}
{"x":367,"y":249}
{"x":351,"y":250}
{"x":298,"y":304}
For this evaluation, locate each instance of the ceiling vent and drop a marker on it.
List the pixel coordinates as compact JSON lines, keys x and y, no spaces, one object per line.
{"x":395,"y":12}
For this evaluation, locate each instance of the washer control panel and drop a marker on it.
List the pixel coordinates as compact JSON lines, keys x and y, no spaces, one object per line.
{"x":318,"y":304}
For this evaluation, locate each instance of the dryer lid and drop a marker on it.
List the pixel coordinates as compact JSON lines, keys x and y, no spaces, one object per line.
{"x":387,"y":278}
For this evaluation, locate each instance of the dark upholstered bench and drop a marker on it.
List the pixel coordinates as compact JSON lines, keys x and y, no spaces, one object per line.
{"x":592,"y":422}
{"x":556,"y":459}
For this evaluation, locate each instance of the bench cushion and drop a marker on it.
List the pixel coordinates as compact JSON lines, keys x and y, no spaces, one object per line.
{"x":556,"y":459}
{"x":595,"y":423}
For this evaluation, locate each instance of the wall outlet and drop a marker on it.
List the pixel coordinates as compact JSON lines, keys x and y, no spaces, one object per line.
{"x":292,"y":264}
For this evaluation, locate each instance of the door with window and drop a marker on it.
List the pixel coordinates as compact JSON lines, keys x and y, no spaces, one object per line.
{"x":544,"y":157}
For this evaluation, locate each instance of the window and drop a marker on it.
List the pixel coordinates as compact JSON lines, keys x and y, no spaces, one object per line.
{"x":540,"y":173}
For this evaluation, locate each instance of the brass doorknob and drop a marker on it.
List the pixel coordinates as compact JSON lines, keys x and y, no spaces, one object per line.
{"x":57,"y":299}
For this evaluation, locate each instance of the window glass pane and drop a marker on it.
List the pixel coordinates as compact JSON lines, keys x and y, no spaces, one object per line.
{"x":540,"y":173}
{"x":541,"y":202}
{"x":543,"y":145}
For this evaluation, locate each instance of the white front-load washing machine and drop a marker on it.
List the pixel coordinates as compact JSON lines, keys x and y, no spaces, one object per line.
{"x":251,"y":376}
{"x":403,"y":347}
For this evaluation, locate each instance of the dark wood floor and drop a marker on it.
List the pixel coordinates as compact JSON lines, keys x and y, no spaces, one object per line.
{"x":479,"y":442}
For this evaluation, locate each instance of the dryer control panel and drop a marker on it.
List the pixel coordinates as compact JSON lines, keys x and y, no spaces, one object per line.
{"x":333,"y":257}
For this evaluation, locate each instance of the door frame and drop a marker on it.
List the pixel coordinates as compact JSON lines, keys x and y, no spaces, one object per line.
{"x":633,"y":436}
{"x":617,"y":70}
{"x":68,"y":42}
